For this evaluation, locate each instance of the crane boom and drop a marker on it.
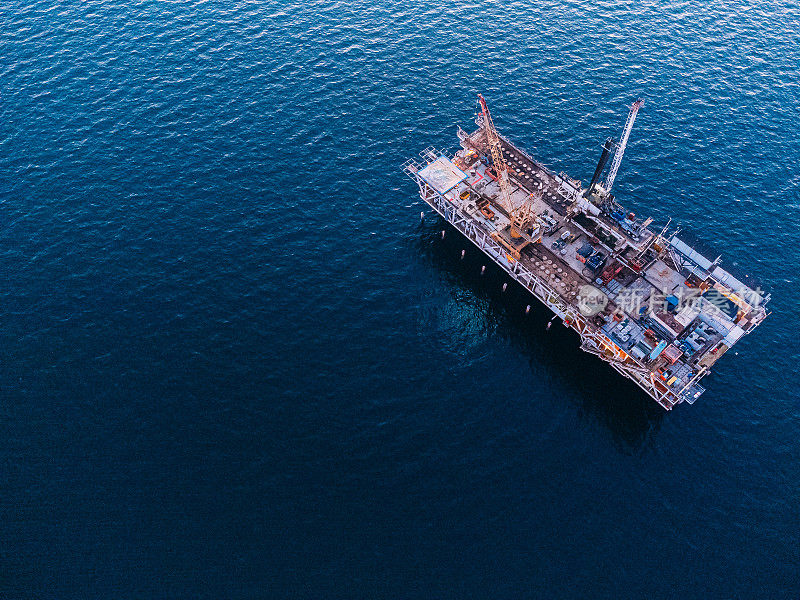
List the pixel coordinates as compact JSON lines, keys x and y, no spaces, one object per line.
{"x":626,"y":132}
{"x":497,"y":155}
{"x":520,"y":215}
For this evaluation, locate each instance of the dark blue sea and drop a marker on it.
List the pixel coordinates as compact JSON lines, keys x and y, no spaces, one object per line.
{"x":234,"y":364}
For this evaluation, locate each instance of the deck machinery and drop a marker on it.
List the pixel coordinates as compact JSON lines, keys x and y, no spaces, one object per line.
{"x":643,"y":300}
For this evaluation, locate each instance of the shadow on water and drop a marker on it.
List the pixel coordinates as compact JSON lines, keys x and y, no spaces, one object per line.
{"x":632,"y":417}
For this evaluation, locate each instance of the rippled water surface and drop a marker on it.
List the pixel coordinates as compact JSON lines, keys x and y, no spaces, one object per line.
{"x":235,"y":365}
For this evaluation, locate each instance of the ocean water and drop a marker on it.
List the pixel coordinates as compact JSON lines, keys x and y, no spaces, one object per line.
{"x":234,"y":364}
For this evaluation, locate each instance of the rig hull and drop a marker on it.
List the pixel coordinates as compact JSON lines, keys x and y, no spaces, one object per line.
{"x":556,"y":278}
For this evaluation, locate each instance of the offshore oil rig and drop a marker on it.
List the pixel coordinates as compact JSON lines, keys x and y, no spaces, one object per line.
{"x":641,"y":299}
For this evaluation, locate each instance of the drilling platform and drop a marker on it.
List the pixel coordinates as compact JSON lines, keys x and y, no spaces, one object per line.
{"x":641,"y":299}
